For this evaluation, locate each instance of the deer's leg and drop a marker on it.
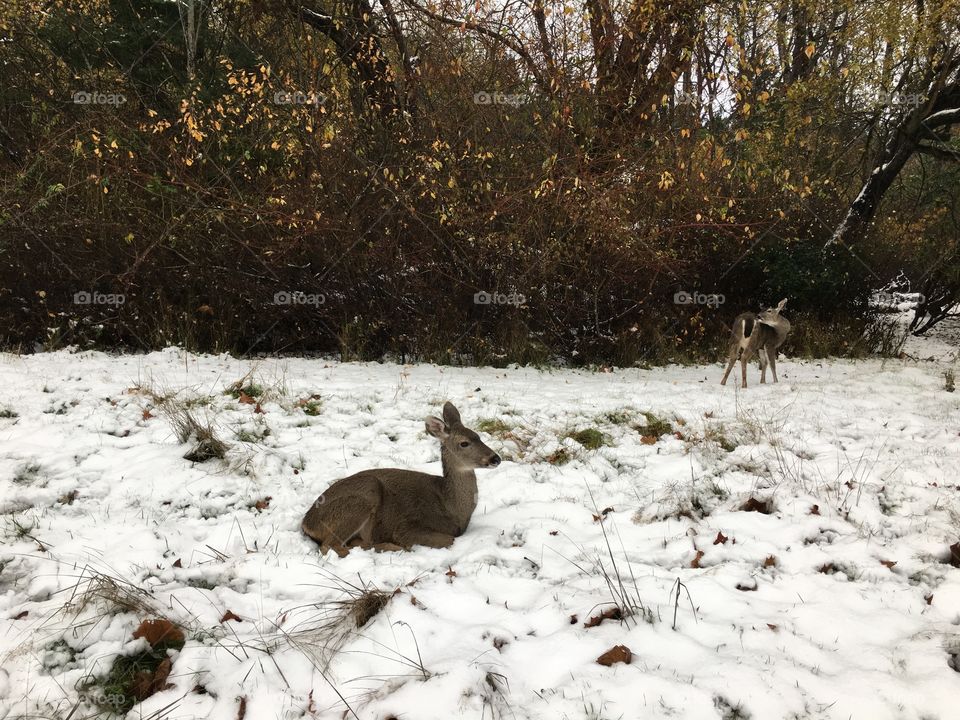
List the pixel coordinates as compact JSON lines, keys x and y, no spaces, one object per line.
{"x":336,"y":547}
{"x":386,"y":547}
{"x":744,"y":359}
{"x":772,"y":357}
{"x":429,"y":538}
{"x":762,"y":354}
{"x":732,"y":361}
{"x":376,"y":547}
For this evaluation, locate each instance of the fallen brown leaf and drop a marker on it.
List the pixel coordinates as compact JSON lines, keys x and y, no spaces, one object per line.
{"x":146,"y":683}
{"x":618,"y":653}
{"x":721,"y":539}
{"x":613,"y":613}
{"x":230,"y":615}
{"x":695,"y":563}
{"x":755,"y":505}
{"x":160,"y":631}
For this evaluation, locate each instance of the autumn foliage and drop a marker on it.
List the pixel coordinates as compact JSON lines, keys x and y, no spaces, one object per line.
{"x":348,"y":177}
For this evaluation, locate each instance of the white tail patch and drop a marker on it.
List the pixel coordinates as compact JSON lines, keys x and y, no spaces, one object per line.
{"x":744,"y":338}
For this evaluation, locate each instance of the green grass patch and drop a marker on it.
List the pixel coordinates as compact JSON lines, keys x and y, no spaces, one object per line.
{"x":717,"y":435}
{"x":312,"y":407}
{"x":250,"y":389}
{"x":623,"y":416}
{"x":133,"y":678}
{"x":590,"y":438}
{"x":252,"y":435}
{"x":654,"y":426}
{"x":493,"y":426}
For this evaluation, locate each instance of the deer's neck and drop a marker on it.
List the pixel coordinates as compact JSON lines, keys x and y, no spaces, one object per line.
{"x":460,"y":491}
{"x":779,"y":331}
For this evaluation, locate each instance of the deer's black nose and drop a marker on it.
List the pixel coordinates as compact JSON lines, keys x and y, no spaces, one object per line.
{"x":494,"y":461}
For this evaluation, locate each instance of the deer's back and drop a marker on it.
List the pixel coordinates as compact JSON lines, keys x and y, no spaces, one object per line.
{"x":398,"y":498}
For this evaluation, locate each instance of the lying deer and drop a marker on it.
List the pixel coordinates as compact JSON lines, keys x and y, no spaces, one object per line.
{"x":397,"y":509}
{"x":762,"y":335}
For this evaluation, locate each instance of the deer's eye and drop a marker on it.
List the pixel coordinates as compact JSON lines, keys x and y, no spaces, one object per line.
{"x":465,"y":443}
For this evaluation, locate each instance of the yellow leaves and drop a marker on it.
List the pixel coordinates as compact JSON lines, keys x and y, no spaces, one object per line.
{"x":188,"y":161}
{"x":666,"y":180}
{"x":151,"y":113}
{"x":128,"y":238}
{"x":810,"y":49}
{"x":763,"y":97}
{"x":684,"y":132}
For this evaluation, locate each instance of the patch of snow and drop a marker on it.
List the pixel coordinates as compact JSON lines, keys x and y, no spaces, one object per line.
{"x":839,"y":603}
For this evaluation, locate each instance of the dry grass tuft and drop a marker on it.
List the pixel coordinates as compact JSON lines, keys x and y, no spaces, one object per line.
{"x":186,"y":426}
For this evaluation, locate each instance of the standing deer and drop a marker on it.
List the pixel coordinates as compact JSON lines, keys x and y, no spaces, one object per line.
{"x":397,"y":509}
{"x":756,"y":334}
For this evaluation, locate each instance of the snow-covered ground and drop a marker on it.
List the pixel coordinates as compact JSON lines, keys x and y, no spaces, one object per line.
{"x":838,"y":603}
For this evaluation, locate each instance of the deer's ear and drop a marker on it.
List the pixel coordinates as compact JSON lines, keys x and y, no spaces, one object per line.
{"x":451,"y":416}
{"x":437,"y":428}
{"x":781,"y":304}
